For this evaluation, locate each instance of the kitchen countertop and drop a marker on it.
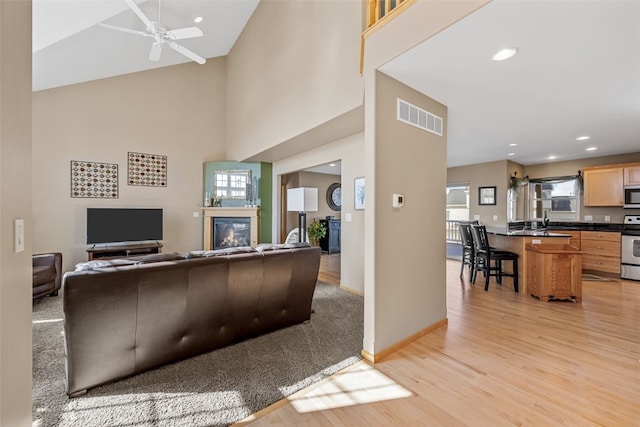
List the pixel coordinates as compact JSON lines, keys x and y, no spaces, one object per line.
{"x":502,"y":231}
{"x":582,"y":226}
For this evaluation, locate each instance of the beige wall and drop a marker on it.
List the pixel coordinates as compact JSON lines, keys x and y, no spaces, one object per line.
{"x":176,"y":111}
{"x":15,"y":202}
{"x":349,"y":151}
{"x":321,"y":181}
{"x":409,"y":287}
{"x":294,"y":67}
{"x":484,"y":175}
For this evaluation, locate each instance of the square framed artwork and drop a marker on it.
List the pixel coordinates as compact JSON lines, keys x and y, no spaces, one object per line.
{"x":94,"y":180}
{"x":486,"y":195}
{"x":147,"y":169}
{"x":358,"y":193}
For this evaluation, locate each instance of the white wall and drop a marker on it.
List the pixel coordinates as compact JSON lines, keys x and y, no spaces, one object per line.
{"x":15,"y":202}
{"x":176,"y":111}
{"x":349,"y":151}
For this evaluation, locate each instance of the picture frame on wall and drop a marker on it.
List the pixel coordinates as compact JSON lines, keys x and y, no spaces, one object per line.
{"x":358,"y":193}
{"x":487,"y":195}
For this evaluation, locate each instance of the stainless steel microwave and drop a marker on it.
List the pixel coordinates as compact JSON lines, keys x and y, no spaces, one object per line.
{"x":632,"y":196}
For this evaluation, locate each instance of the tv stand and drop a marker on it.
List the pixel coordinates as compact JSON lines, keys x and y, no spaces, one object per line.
{"x":110,"y":251}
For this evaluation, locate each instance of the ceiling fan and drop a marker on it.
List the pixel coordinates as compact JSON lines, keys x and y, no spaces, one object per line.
{"x":161,"y":34}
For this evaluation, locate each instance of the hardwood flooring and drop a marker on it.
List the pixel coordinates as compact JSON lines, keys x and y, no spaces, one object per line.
{"x":504,"y":359}
{"x":330,"y":269}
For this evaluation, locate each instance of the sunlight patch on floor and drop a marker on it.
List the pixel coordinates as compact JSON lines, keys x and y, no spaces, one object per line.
{"x":359,"y":385}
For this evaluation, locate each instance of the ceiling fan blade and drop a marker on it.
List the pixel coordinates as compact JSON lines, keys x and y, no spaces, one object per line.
{"x":133,"y":6}
{"x":186,"y":52}
{"x":126,"y":30}
{"x":185,"y":33}
{"x":156,"y":50}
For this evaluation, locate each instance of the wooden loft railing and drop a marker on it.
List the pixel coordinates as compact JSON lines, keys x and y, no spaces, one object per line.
{"x":378,"y":13}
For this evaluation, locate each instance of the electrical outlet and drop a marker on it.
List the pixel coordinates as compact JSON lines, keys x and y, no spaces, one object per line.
{"x":607,"y":218}
{"x":495,"y":217}
{"x":347,"y":217}
{"x":476,"y":217}
{"x":588,"y":217}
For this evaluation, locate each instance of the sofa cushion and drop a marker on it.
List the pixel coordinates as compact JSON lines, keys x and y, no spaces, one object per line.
{"x":44,"y":274}
{"x":219,"y":252}
{"x":145,"y":259}
{"x":96,"y":263}
{"x":263,"y":247}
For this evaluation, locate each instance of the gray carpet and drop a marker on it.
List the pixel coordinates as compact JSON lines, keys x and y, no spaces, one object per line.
{"x":215,"y":389}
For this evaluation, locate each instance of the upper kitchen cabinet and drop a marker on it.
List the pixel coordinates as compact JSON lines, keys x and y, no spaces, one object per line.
{"x":603,"y":186}
{"x":632,"y":175}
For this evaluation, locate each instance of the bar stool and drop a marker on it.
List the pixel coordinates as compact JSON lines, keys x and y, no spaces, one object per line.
{"x":484,"y":255}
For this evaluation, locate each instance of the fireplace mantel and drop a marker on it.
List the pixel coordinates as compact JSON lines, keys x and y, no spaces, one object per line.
{"x":229,"y":212}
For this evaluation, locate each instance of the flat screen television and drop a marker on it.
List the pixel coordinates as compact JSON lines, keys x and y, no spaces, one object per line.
{"x":106,"y":225}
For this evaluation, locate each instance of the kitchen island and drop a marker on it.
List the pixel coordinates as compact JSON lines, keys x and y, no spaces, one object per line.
{"x":516,"y":241}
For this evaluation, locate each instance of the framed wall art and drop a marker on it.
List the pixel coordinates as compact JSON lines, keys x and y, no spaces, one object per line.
{"x":147,"y":169}
{"x":486,"y":195}
{"x":94,"y":180}
{"x":358,"y":193}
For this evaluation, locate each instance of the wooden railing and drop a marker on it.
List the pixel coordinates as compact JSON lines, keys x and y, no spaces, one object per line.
{"x":379,"y":9}
{"x":378,"y":13}
{"x":452,"y":231}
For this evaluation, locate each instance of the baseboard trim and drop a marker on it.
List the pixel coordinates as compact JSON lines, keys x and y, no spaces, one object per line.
{"x":374,"y":358}
{"x":352,"y":291}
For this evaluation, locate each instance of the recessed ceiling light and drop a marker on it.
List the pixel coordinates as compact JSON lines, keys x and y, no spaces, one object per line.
{"x":552,"y":157}
{"x":511,"y":154}
{"x":505,"y":54}
{"x":198,"y":19}
{"x":583,"y":138}
{"x":512,"y":145}
{"x":333,"y":165}
{"x":591,"y":148}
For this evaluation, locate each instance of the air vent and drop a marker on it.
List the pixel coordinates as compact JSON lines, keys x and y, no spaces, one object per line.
{"x":419,"y":118}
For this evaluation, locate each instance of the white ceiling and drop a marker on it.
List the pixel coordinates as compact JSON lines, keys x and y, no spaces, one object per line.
{"x":577,"y":70}
{"x":333,"y":168}
{"x":577,"y":73}
{"x":70,"y":47}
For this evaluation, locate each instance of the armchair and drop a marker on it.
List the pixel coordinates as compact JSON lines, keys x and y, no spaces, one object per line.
{"x":47,"y":274}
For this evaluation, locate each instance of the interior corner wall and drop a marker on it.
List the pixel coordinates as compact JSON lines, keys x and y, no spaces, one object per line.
{"x":409,"y":248}
{"x":177,"y":111}
{"x":349,"y":150}
{"x":490,"y":174}
{"x":294,"y":67}
{"x":15,"y":203}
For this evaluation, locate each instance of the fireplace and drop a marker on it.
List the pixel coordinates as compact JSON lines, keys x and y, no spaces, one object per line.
{"x":231,"y":232}
{"x":242,"y":221}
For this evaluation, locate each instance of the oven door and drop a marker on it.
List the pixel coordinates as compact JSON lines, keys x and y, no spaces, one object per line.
{"x":630,"y":257}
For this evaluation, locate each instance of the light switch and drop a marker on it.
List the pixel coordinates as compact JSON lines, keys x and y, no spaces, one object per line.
{"x":476,"y":217}
{"x":18,"y":234}
{"x":196,"y":214}
{"x":607,"y":218}
{"x":347,"y":217}
{"x":495,"y":217}
{"x":588,"y":218}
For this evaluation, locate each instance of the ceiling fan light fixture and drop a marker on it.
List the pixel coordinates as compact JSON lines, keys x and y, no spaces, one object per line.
{"x":505,"y":54}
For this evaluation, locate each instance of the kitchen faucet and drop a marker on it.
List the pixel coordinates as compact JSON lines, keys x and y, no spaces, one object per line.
{"x":545,"y":220}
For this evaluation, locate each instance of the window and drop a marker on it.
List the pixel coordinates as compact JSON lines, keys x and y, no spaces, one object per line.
{"x":558,"y":198}
{"x":233,"y":184}
{"x":458,"y":202}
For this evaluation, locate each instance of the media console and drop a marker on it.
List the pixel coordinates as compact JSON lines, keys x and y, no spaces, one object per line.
{"x":123,"y":250}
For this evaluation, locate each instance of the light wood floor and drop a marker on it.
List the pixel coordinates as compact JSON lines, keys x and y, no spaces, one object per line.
{"x":330,"y":269}
{"x":505,"y":359}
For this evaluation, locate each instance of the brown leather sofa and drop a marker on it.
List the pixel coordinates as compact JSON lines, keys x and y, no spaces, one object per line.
{"x":121,"y":319}
{"x":47,"y":274}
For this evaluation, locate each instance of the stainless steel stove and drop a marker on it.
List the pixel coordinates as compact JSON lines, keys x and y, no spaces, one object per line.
{"x":630,"y":248}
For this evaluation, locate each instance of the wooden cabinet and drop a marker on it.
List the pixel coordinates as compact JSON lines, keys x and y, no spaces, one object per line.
{"x":554,"y":272}
{"x":331,"y":242}
{"x":603,"y":186}
{"x":632,"y":175}
{"x":601,"y":251}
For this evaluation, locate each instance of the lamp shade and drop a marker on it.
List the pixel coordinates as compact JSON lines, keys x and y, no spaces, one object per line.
{"x":302,"y":199}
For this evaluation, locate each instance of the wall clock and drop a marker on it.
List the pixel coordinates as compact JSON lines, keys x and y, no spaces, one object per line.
{"x":334,"y":196}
